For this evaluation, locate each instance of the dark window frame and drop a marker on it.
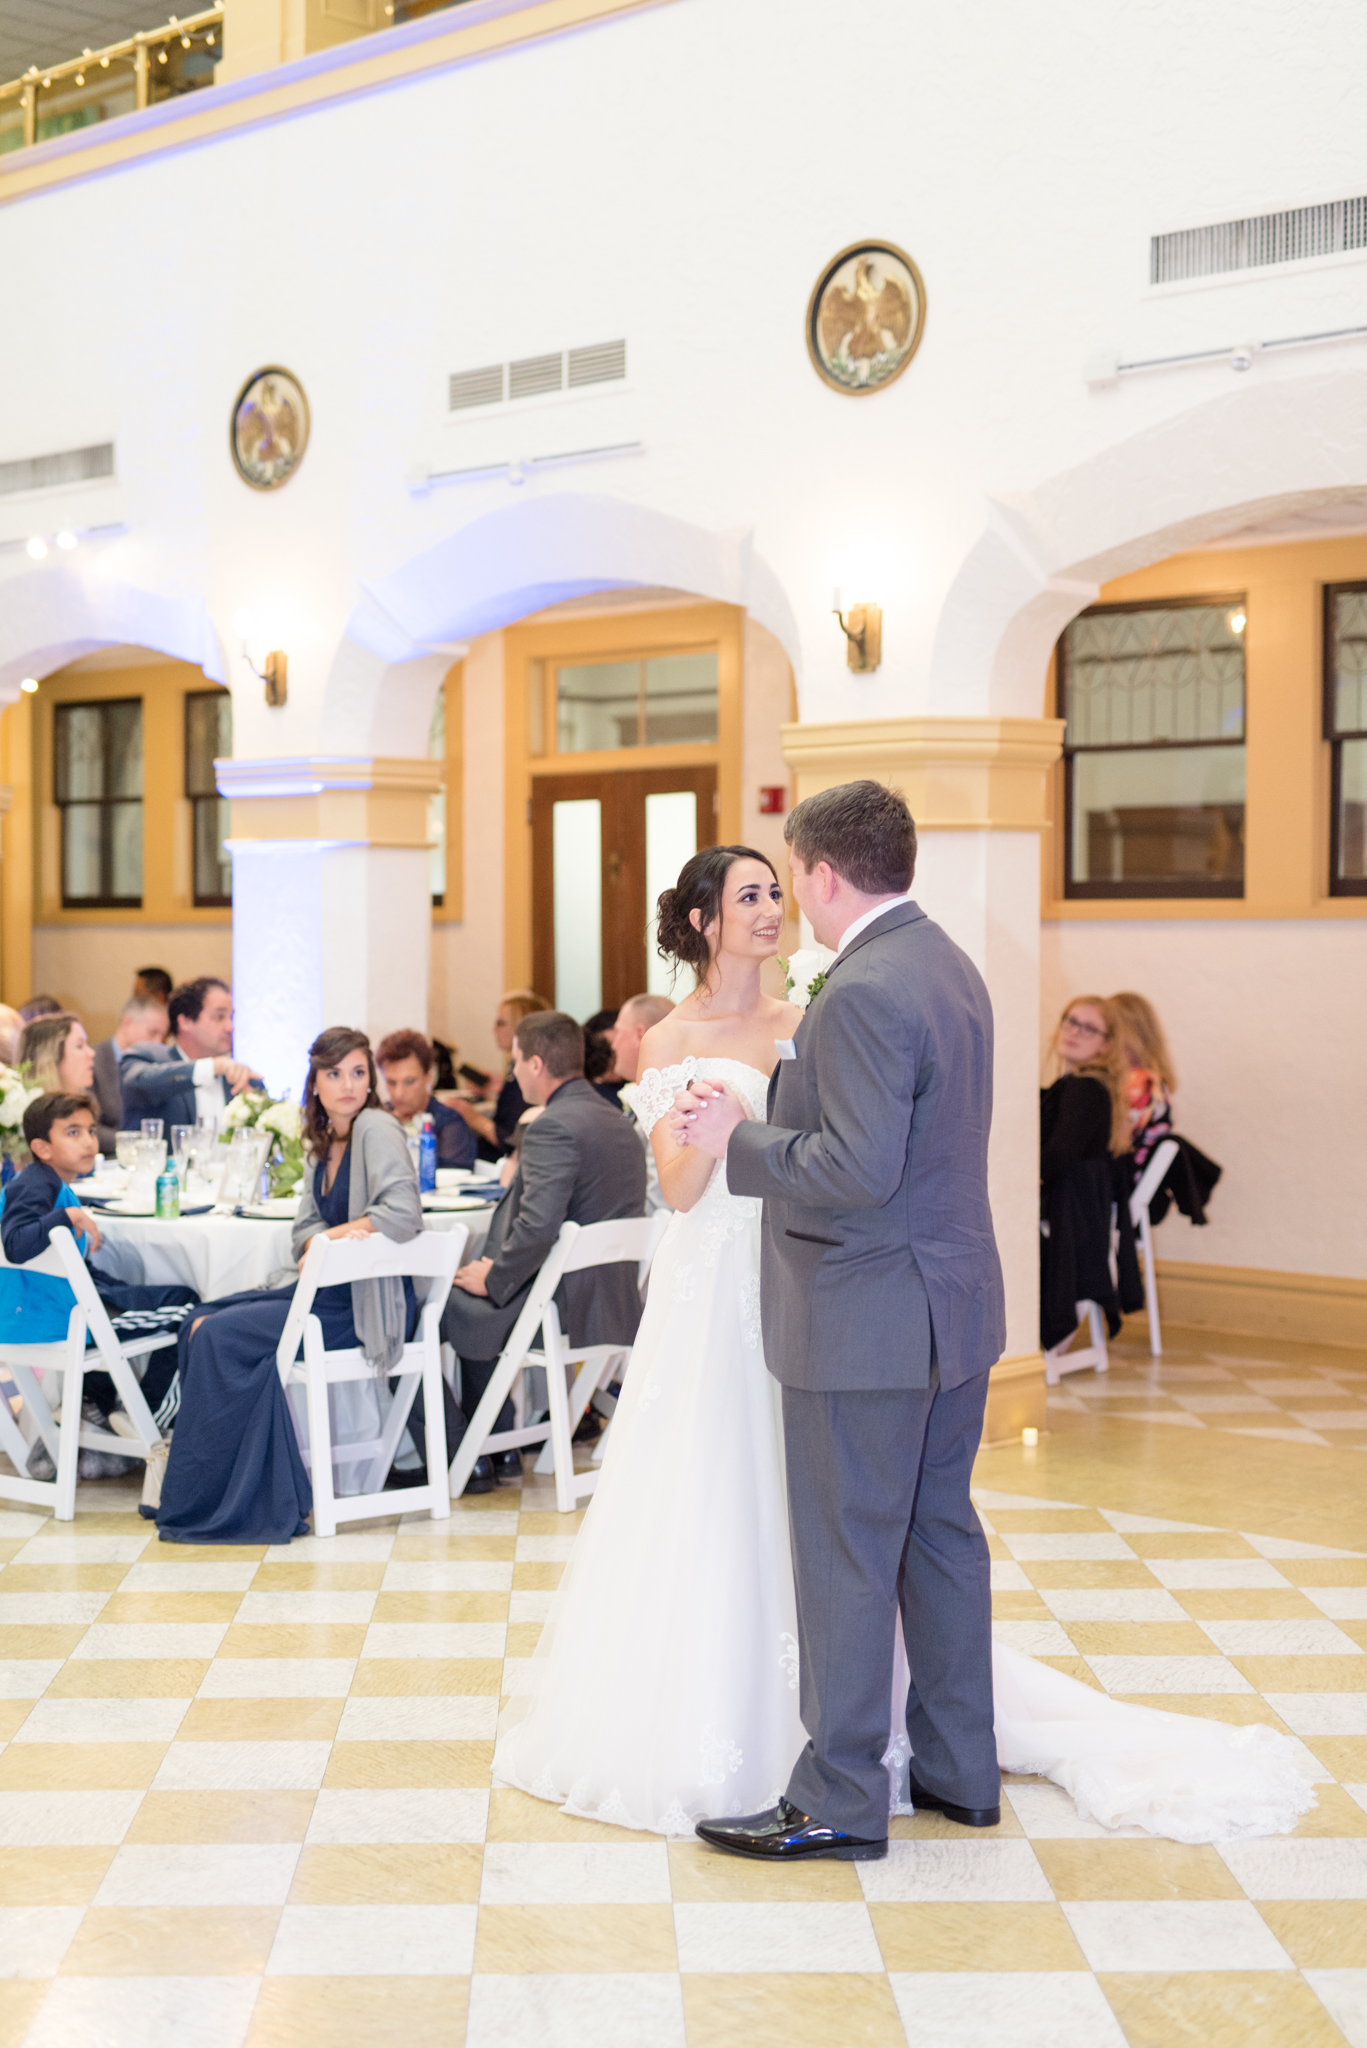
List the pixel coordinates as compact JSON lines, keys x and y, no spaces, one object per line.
{"x":194,"y":797}
{"x":1115,"y":892}
{"x":1336,"y":739}
{"x":106,"y":805}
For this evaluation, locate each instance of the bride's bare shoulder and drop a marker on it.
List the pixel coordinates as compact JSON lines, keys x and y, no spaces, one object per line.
{"x":664,"y":1045}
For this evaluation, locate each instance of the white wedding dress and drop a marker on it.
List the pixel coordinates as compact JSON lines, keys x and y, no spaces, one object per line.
{"x":664,"y":1687}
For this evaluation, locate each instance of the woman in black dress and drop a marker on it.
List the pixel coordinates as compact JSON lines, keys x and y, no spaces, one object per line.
{"x":1084,"y":1124}
{"x":235,"y":1473}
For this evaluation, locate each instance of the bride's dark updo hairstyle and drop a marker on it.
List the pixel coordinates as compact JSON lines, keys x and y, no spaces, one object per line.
{"x":701,"y":883}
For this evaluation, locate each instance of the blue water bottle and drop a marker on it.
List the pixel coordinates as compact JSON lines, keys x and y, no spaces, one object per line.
{"x":427,"y":1155}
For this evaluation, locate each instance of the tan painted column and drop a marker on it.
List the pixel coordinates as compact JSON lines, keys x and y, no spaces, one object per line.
{"x":977,"y":790}
{"x":332,"y":908}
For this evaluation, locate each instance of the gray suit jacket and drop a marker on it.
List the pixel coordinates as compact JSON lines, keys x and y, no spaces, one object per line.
{"x":109,"y":1095}
{"x":878,"y":1252}
{"x":158,"y":1080}
{"x":581,"y":1162}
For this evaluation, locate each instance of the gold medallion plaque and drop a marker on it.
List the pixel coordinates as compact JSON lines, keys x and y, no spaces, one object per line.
{"x":865,"y":317}
{"x":270,"y":428}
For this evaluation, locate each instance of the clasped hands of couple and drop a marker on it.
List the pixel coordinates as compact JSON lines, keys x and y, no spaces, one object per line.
{"x":704,"y":1116}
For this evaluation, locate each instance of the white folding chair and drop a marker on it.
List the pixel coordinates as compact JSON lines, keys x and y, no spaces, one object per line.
{"x":1060,"y":1360}
{"x":1146,"y":1188}
{"x":90,"y":1345}
{"x":577,"y":1248}
{"x":431,"y":1257}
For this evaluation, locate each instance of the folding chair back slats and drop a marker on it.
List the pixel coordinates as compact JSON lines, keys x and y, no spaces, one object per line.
{"x":1146,"y":1188}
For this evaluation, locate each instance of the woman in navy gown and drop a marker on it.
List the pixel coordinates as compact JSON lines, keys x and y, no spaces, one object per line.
{"x":235,"y":1473}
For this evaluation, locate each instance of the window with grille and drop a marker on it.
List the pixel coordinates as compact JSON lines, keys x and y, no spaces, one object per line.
{"x":1345,"y":727}
{"x":652,"y":700}
{"x":208,"y":736}
{"x":98,"y":791}
{"x":1154,"y":752}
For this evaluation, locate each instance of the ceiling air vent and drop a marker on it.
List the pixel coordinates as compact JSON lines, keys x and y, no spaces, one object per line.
{"x":44,"y":472}
{"x":476,"y":387}
{"x":1262,"y":239}
{"x":604,"y":363}
{"x":536,"y":375}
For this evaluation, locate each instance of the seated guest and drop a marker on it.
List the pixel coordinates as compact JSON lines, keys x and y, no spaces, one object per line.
{"x":155,"y":983}
{"x":196,"y":1075}
{"x":59,"y":1129}
{"x":579,"y":1163}
{"x":62,"y":1058}
{"x":1084,"y":1124}
{"x":41,"y":1006}
{"x":1150,"y":1077}
{"x":494,"y":1124}
{"x":600,"y":1061}
{"x":408,"y":1063}
{"x":11,"y":1025}
{"x":638,"y":1015}
{"x":235,"y":1473}
{"x":142,"y":1022}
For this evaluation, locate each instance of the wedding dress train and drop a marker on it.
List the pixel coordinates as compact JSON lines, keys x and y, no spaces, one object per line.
{"x":664,"y":1687}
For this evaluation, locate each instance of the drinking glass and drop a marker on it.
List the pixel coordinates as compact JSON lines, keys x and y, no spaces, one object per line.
{"x":153,"y":1127}
{"x":126,"y":1149}
{"x":182,"y":1143}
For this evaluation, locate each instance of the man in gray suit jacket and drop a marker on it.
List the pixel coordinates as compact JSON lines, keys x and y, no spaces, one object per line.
{"x":883,"y":1312}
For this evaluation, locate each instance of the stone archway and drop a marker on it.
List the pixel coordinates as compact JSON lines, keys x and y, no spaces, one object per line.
{"x":55,"y":612}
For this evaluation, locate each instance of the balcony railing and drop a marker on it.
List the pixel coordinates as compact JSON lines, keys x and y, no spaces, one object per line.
{"x":156,"y":65}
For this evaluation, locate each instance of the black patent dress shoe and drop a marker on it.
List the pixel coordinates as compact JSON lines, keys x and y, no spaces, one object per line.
{"x":783,"y":1834}
{"x":482,"y":1479}
{"x":967,"y":1816}
{"x":508,"y":1467}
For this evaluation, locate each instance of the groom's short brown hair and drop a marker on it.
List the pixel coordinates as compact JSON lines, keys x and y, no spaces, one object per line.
{"x":861,"y":829}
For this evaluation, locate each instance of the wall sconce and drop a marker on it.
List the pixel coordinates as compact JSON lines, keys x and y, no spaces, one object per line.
{"x":863,"y":633}
{"x":275,"y":674}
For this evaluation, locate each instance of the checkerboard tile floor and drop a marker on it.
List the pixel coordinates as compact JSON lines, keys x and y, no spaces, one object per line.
{"x":245,"y":1802}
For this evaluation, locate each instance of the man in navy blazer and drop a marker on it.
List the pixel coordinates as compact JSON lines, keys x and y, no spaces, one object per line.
{"x":195,"y":1076}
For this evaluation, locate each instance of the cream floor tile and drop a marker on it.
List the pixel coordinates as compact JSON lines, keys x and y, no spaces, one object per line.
{"x":1332,"y":1418}
{"x":170,"y":1607}
{"x":1078,"y":1521}
{"x":1152,"y":1525}
{"x":84,"y":1549}
{"x":230,"y":1678}
{"x":517,"y":1817}
{"x":129,"y":1678}
{"x":406,"y":1677}
{"x":538,"y":1517}
{"x":1047,"y":1814}
{"x":1299,"y":1869}
{"x":1284,"y":1675}
{"x":954,"y":1937}
{"x":1345,"y":1756}
{"x":1343,"y":1994}
{"x":1055,"y":1549}
{"x":1327,"y":1571}
{"x":179,"y":1941}
{"x":457,"y":1548}
{"x":243,"y":1767}
{"x":398,"y":1609}
{"x":1167,"y":1639}
{"x":577,"y":1940}
{"x":1135,"y":1869}
{"x":419,"y":1718}
{"x":1171,"y":1935}
{"x":1112,"y":1603}
{"x":15,"y":1522}
{"x":52,"y":1877}
{"x":191,"y":1874}
{"x":358,"y":2012}
{"x":358,"y":1765}
{"x":1288,"y":1546}
{"x":388,"y":1874}
{"x":703,"y":1876}
{"x":1245,"y":2009}
{"x":456,"y":1815}
{"x":1224,"y":1404}
{"x":65,"y":1819}
{"x":544,"y":1549}
{"x":434,"y":1639}
{"x":359,"y":1546}
{"x":575,"y":1874}
{"x":39,"y":1610}
{"x":1319,"y":1933}
{"x":1340,"y":1603}
{"x":1268,"y":1603}
{"x":145,"y":2012}
{"x":528,"y":1607}
{"x":1337,"y":1814}
{"x":744,"y":2010}
{"x":955,"y":1872}
{"x":160,"y":1577}
{"x":1281,"y":1639}
{"x":1215,"y":1574}
{"x":197,"y":1817}
{"x":374,"y":1941}
{"x":34,"y":1939}
{"x":76,"y":1767}
{"x":1024,"y":2009}
{"x":610,"y":2011}
{"x":464,"y":1523}
{"x":294,"y":1640}
{"x":272,"y":1609}
{"x":537,"y":1578}
{"x":27,"y":1678}
{"x":1132,"y":1573}
{"x":787,"y":1938}
{"x":436,"y":1575}
{"x":159,"y":1640}
{"x":1034,"y":1638}
{"x":1008,"y":1578}
{"x":305,"y":1719}
{"x":1168,"y":1674}
{"x":96,"y":1720}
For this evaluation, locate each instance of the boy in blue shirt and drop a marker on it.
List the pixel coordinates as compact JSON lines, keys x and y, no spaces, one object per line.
{"x":34,"y":1308}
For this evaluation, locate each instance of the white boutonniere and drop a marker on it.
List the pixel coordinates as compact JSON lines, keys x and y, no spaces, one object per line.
{"x":805,"y":973}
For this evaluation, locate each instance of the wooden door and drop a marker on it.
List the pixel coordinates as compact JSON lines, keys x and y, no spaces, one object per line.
{"x":601,"y":851}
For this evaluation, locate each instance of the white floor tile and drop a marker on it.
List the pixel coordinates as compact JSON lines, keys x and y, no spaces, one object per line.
{"x":403,"y":1815}
{"x":184,"y":1874}
{"x":985,"y":1497}
{"x":1358,"y":1792}
{"x":278,"y":1678}
{"x":1038,"y":1547}
{"x":1168,"y":1674}
{"x":1150,"y":1525}
{"x":1007,"y":2009}
{"x":599,"y":2011}
{"x":145,"y":2012}
{"x":1308,"y":1867}
{"x":419,"y":1717}
{"x":370,"y":1546}
{"x":286,"y":1608}
{"x":43,"y":1610}
{"x":1282,"y":1639}
{"x":439,"y":1575}
{"x":1343,"y":1994}
{"x":1175,"y":1934}
{"x":1340,"y":1603}
{"x":160,"y":1577}
{"x":768,"y":1938}
{"x":955,"y":1873}
{"x":1321,"y":1713}
{"x":575,"y":1874}
{"x":1332,"y":1418}
{"x":1215,"y":1574}
{"x":480,"y":1521}
{"x":69,"y":1549}
{"x":65,"y":1820}
{"x":434,"y":1639}
{"x":27,"y":1678}
{"x":529,"y":1606}
{"x":1035,"y":1638}
{"x":151,"y":1639}
{"x":522,"y":1675}
{"x":1287,"y":1546}
{"x":14,"y":1522}
{"x":1225,"y":1404}
{"x":544,"y":1549}
{"x":154,"y":1720}
{"x":33,"y":1939}
{"x":1112,"y":1603}
{"x":1047,"y":1813}
{"x":1009,"y":1578}
{"x":374,"y":1941}
{"x":242,"y":1767}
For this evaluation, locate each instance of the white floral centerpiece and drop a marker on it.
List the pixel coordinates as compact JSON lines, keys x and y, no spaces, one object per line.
{"x":805,"y":973}
{"x":255,"y":1110}
{"x":17,"y":1090}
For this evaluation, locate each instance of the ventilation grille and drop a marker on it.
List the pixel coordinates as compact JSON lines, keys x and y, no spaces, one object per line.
{"x":43,"y":472}
{"x":1265,"y":238}
{"x":604,"y":362}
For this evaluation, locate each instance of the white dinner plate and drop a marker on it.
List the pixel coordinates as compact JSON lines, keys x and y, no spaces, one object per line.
{"x":124,"y":1208}
{"x":280,"y":1208}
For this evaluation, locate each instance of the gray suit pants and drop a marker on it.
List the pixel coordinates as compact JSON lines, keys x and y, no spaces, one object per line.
{"x":880,"y":1514}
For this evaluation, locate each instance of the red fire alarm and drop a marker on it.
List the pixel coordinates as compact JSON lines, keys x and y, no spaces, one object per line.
{"x":773,"y":800}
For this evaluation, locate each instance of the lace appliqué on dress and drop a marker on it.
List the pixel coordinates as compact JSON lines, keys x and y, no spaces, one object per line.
{"x":656,"y":1089}
{"x":787,"y":1660}
{"x":720,"y":1757}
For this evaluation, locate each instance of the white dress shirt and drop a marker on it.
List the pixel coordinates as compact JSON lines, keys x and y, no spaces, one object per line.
{"x":862,"y":923}
{"x":209,"y":1104}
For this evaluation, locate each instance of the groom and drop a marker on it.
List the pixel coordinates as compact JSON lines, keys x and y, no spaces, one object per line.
{"x":883,"y":1312}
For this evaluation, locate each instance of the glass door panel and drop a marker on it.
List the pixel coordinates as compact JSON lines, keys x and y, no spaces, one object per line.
{"x":577,"y":854}
{"x":671,"y":839}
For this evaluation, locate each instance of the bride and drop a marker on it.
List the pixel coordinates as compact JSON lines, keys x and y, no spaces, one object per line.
{"x":665,"y":1684}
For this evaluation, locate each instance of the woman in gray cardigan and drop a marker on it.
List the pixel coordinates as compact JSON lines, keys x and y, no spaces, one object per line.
{"x":235,"y":1474}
